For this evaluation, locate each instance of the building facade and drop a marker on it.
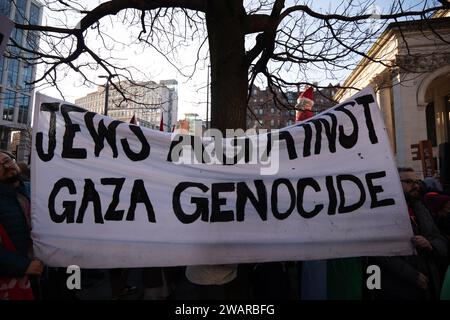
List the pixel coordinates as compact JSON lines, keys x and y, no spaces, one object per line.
{"x":190,"y":125}
{"x":412,"y":85}
{"x":150,"y":102}
{"x":16,"y":93}
{"x":265,"y":115}
{"x":323,"y":99}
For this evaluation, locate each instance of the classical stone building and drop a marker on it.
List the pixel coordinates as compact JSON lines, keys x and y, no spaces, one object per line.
{"x":412,"y":84}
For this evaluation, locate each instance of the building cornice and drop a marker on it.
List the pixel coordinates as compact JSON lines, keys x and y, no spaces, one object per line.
{"x":392,"y":31}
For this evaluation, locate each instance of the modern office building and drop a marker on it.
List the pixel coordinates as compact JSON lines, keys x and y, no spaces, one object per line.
{"x":149,"y":101}
{"x":16,"y":94}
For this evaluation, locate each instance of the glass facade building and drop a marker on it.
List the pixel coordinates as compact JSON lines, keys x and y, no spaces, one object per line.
{"x":16,"y":93}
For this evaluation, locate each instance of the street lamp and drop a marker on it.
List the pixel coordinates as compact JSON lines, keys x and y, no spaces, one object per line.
{"x":108,"y":79}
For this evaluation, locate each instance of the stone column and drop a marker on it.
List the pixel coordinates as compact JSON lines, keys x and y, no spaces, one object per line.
{"x":410,"y":122}
{"x":384,"y":100}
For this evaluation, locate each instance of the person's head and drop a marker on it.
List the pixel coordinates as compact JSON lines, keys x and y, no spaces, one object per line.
{"x":9,"y":171}
{"x":24,"y":170}
{"x":304,"y":104}
{"x":410,"y":183}
{"x":432,"y":184}
{"x":437,"y":203}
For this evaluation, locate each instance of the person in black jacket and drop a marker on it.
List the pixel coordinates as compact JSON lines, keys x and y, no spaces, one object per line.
{"x":417,"y":276}
{"x":14,"y":217}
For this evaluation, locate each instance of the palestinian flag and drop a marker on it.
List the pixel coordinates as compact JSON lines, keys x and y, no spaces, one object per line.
{"x":334,"y":279}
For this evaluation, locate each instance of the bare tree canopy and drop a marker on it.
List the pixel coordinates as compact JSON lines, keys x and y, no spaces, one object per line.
{"x":280,"y":43}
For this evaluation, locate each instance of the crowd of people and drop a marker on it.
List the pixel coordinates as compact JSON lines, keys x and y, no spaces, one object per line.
{"x":423,"y":276}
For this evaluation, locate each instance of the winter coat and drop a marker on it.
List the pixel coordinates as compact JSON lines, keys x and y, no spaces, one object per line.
{"x":12,"y":218}
{"x":304,"y":115}
{"x":399,"y":274}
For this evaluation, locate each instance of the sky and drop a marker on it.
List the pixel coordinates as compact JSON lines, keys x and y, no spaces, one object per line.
{"x":192,"y":92}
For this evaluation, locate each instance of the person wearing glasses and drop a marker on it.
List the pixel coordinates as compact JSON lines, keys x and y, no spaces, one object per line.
{"x":414,"y":277}
{"x":16,"y":262}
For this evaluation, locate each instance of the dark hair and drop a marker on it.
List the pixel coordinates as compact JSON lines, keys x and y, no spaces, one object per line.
{"x":9,"y":154}
{"x":405,"y":169}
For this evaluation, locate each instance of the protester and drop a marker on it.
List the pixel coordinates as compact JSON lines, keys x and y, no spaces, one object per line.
{"x":305,"y":103}
{"x":432,"y":184}
{"x":439,"y":206}
{"x":24,"y":171}
{"x":160,"y":283}
{"x":417,"y":276}
{"x":271,"y":281}
{"x":16,"y":262}
{"x":312,"y":274}
{"x":326,"y":279}
{"x":214,"y":282}
{"x":119,"y":283}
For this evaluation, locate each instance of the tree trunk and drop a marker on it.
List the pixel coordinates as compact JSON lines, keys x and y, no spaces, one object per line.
{"x":224,"y":19}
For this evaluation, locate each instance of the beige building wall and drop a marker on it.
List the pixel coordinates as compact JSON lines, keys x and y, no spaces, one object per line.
{"x":404,"y":92}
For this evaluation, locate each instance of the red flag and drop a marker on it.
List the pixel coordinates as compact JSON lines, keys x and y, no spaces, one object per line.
{"x":133,"y":120}
{"x":13,"y":288}
{"x":161,"y":124}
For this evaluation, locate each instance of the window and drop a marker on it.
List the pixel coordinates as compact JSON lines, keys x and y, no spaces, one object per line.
{"x":5,"y":7}
{"x":272,"y":110}
{"x":24,"y":102}
{"x":13,"y":72}
{"x":32,"y":40}
{"x":272,"y":122}
{"x":261,"y":111}
{"x":292,"y":112}
{"x":32,"y":36}
{"x":431,"y":124}
{"x":27,"y":76}
{"x":17,"y":34}
{"x":8,"y":105}
{"x":20,"y":11}
{"x":1,"y":67}
{"x":34,"y":14}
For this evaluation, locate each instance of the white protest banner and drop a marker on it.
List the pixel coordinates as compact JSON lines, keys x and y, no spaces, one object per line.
{"x":6,"y":27}
{"x":109,"y":194}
